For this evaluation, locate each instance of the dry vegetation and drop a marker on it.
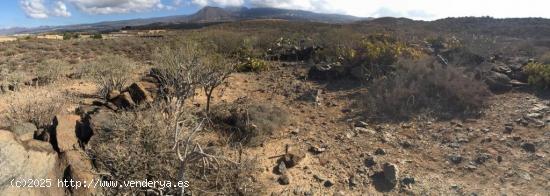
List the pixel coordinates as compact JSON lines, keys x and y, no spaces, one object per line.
{"x":389,"y":76}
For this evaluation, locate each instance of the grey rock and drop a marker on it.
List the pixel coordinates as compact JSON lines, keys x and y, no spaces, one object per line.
{"x":281,"y":168}
{"x":365,"y":130}
{"x":370,"y":161}
{"x":391,"y":173}
{"x":407,"y":181}
{"x":482,"y":158}
{"x":498,"y":81}
{"x":283,"y":180}
{"x":456,"y":159}
{"x":529,"y":147}
{"x":23,"y":128}
{"x":508,"y":129}
{"x":380,"y":151}
{"x":318,"y":177}
{"x":32,"y":159}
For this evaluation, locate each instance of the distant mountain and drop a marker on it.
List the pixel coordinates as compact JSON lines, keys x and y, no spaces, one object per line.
{"x":212,"y":14}
{"x":205,"y":15}
{"x":295,"y":15}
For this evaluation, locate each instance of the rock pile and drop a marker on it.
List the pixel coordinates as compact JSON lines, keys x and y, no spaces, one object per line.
{"x":55,"y":153}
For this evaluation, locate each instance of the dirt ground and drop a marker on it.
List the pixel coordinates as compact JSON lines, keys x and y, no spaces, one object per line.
{"x":462,"y":156}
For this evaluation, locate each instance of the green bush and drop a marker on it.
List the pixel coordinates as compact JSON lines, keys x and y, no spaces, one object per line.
{"x":539,"y":74}
{"x":97,"y":36}
{"x":252,"y":65}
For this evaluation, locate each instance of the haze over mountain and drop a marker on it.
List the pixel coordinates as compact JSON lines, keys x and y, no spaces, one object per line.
{"x":207,"y":14}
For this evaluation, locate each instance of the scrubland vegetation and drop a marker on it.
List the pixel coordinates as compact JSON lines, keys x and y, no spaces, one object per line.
{"x":394,"y":77}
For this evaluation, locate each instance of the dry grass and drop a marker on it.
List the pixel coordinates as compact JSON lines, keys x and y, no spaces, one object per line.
{"x":51,"y":71}
{"x":109,"y":72}
{"x":425,"y":88}
{"x":37,"y":106}
{"x":249,"y":124}
{"x":149,"y":136}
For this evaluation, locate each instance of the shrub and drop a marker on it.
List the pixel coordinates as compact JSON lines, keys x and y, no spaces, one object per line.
{"x":51,"y":70}
{"x":38,"y":107}
{"x":375,"y":54}
{"x":97,"y":36}
{"x":214,"y":73}
{"x":149,"y":136}
{"x":178,"y":70}
{"x":252,"y":65}
{"x":539,"y":74}
{"x":425,"y":87}
{"x":545,"y":58}
{"x":109,"y":72}
{"x":250,"y":124}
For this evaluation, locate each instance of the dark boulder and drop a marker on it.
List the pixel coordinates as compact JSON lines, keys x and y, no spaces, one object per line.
{"x":498,"y":81}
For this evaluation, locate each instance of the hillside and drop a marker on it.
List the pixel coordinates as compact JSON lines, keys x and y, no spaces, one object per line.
{"x":207,"y":14}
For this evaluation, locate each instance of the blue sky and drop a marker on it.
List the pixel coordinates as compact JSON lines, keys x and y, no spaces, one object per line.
{"x":32,"y":13}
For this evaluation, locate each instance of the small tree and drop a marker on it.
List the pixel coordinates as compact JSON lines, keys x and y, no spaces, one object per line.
{"x":178,"y":70}
{"x":215,"y":71}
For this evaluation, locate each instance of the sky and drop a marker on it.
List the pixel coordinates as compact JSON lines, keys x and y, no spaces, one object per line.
{"x":32,"y":13}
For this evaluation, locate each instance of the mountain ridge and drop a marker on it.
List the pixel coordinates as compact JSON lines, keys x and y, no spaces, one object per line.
{"x":207,"y":14}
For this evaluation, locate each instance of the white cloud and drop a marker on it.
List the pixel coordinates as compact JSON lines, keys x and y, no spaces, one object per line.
{"x":215,"y":2}
{"x":415,"y":9}
{"x":34,"y":8}
{"x":116,"y":6}
{"x":60,"y":9}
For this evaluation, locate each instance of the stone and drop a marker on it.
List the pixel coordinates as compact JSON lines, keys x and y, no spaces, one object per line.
{"x":32,"y":159}
{"x":498,"y":81}
{"x":26,"y":137}
{"x":482,"y":158}
{"x":391,"y":173}
{"x":361,"y":124}
{"x":534,"y":115}
{"x":407,"y":181}
{"x":78,"y":167}
{"x":102,"y":121}
{"x":328,"y":183}
{"x":281,"y":168}
{"x":317,"y":149}
{"x":87,"y":109}
{"x":42,"y":135}
{"x":87,"y":102}
{"x":23,"y":128}
{"x":318,"y":177}
{"x":124,"y":100}
{"x":380,"y":151}
{"x":365,"y":130}
{"x":352,"y":181}
{"x":65,"y":132}
{"x":293,"y":158}
{"x":139,"y":94}
{"x":283,"y":180}
{"x":508,"y":129}
{"x":113,"y":94}
{"x":370,"y":161}
{"x":529,"y":147}
{"x":327,"y":72}
{"x":455,"y":159}
{"x":111,"y":106}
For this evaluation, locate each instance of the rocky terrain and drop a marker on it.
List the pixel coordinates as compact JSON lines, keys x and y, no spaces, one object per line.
{"x":297,"y":127}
